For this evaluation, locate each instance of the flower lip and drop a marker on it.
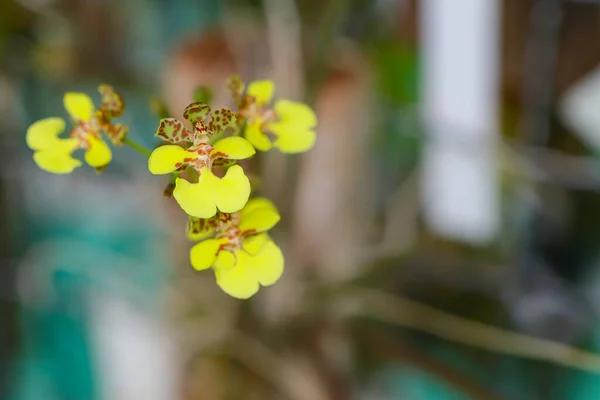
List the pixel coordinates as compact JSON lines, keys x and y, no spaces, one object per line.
{"x":44,"y":133}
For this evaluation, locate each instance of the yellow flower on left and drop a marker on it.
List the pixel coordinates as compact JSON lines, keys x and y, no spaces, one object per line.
{"x":55,"y":154}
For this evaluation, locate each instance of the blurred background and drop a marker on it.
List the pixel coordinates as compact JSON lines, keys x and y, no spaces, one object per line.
{"x":441,"y":240}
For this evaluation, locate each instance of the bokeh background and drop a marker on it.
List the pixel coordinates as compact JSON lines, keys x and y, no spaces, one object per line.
{"x":441,"y":240}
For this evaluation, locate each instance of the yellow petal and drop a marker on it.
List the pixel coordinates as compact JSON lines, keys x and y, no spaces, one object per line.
{"x":43,"y":133}
{"x":79,"y":106}
{"x":258,"y":139}
{"x":239,"y":281}
{"x":232,"y":191}
{"x":267,"y":264}
{"x":58,"y":159}
{"x":254,"y":203}
{"x":253,"y":245}
{"x":204,"y":254}
{"x":225,"y":260}
{"x":99,"y":154}
{"x":295,"y":113}
{"x":259,"y":215}
{"x":293,"y":141}
{"x":233,"y":147}
{"x":262,"y":91}
{"x":294,"y":130}
{"x":164,"y":159}
{"x":197,"y":199}
{"x":66,"y":145}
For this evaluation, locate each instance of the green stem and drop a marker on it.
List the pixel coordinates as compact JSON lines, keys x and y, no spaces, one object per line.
{"x":174,"y":176}
{"x":137,"y":147}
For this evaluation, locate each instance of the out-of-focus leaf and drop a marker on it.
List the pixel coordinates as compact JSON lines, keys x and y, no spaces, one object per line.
{"x":398,"y":71}
{"x":203,"y":94}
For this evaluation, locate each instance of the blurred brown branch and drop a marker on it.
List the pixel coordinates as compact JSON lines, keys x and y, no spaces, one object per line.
{"x":411,"y":314}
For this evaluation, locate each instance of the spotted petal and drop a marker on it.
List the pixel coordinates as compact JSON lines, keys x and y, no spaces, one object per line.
{"x":79,"y":106}
{"x":201,"y":228}
{"x":44,"y":133}
{"x":234,"y":148}
{"x":116,"y":133}
{"x":112,"y":102}
{"x":221,"y":119}
{"x":196,"y":112}
{"x":166,"y":159}
{"x":236,"y":87}
{"x":259,"y":215}
{"x":173,"y":131}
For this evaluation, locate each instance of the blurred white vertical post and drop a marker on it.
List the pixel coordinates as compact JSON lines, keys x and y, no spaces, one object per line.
{"x":134,"y":353}
{"x":460,"y":47}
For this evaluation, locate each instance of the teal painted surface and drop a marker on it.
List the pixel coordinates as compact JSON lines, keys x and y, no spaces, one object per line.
{"x":506,"y":376}
{"x":57,"y":357}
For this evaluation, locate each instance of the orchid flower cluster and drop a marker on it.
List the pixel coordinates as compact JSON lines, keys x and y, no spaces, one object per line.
{"x":201,"y":156}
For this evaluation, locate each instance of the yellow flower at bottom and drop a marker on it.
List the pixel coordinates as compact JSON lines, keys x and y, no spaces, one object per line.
{"x":241,"y":272}
{"x":244,"y":257}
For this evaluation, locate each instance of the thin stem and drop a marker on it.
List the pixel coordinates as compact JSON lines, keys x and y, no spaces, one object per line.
{"x":137,"y":147}
{"x":404,"y":312}
{"x":174,"y":176}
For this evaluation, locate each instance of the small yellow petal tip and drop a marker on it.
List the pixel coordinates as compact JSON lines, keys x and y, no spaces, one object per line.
{"x":79,"y":106}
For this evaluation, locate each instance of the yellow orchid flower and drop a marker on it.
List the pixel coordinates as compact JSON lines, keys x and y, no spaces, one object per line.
{"x":239,"y":250}
{"x":202,"y":199}
{"x":55,"y":154}
{"x":288,"y":125}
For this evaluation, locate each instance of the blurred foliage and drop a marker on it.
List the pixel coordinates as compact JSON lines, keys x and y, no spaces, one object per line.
{"x":397,"y":67}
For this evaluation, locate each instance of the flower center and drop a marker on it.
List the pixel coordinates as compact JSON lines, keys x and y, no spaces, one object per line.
{"x":256,"y":113}
{"x":201,"y":133}
{"x":82,"y":132}
{"x":201,"y":157}
{"x":231,"y":231}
